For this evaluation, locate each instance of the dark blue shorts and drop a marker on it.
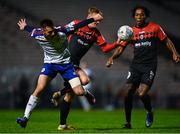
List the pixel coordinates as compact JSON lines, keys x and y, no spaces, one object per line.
{"x":67,"y":71}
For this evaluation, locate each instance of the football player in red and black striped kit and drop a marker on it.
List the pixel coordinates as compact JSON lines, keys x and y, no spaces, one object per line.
{"x":79,"y":43}
{"x":147,"y":36}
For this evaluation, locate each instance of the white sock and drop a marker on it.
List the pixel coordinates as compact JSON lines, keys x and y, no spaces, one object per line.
{"x":30,"y":106}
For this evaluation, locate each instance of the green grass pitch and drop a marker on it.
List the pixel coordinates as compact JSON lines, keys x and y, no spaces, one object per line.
{"x":95,"y":121}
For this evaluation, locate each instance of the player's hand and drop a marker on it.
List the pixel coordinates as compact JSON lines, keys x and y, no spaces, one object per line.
{"x":22,"y":23}
{"x":176,"y":57}
{"x":119,"y":41}
{"x":109,"y":62}
{"x":97,"y":17}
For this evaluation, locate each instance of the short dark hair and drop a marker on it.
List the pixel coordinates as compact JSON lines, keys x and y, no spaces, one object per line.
{"x":46,"y":22}
{"x":146,"y":10}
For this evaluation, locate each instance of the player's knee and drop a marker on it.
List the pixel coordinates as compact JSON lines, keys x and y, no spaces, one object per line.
{"x":83,"y":77}
{"x":129,"y":90}
{"x":141,"y":94}
{"x":85,"y":80}
{"x":142,"y":90}
{"x":78,"y":90}
{"x":38,"y":90}
{"x":40,"y":86}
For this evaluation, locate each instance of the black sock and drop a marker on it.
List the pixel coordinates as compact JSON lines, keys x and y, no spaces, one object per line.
{"x":64,"y":111}
{"x":128,"y":107}
{"x":147,"y":102}
{"x":66,"y":89}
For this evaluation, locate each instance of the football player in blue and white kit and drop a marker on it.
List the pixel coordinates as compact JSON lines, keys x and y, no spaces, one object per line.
{"x":53,"y":41}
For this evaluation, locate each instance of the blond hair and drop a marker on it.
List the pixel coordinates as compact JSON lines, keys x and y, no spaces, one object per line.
{"x":94,"y":10}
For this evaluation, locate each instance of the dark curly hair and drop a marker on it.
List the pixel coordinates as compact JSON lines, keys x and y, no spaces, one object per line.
{"x":146,"y":10}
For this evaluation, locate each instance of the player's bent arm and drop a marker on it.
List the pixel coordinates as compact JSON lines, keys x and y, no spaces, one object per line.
{"x":171,"y":47}
{"x":106,"y":47}
{"x":118,"y":51}
{"x":83,"y":23}
{"x":23,"y":26}
{"x":70,"y":28}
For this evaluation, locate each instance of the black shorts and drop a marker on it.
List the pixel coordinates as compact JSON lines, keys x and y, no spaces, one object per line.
{"x":75,"y":62}
{"x":141,"y":73}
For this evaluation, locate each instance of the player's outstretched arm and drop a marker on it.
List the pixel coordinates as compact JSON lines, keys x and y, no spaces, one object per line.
{"x":83,"y":23}
{"x":22,"y":24}
{"x":171,"y":47}
{"x":118,"y":51}
{"x":70,"y":28}
{"x":107,"y":47}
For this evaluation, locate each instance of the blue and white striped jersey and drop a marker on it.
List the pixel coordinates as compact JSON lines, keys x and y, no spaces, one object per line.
{"x":55,"y":48}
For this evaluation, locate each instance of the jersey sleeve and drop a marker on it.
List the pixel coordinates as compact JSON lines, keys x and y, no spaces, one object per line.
{"x":71,"y":27}
{"x":107,"y":47}
{"x":161,"y":34}
{"x":36,"y":32}
{"x":100,"y":39}
{"x":101,"y":42}
{"x":33,"y":31}
{"x":28,"y":28}
{"x":124,"y":43}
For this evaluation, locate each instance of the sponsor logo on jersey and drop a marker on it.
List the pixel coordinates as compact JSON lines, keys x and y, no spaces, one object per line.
{"x":141,"y":36}
{"x":146,"y":43}
{"x":82,"y":42}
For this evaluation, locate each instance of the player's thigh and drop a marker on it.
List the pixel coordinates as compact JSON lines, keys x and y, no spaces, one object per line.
{"x":76,"y":86}
{"x":70,"y":75}
{"x":83,"y":76}
{"x":133,"y":78}
{"x":69,"y":96}
{"x":146,"y":81}
{"x":42,"y":82}
{"x":148,"y":76}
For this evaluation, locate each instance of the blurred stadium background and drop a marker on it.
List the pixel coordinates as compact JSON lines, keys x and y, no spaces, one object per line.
{"x":21,"y":58}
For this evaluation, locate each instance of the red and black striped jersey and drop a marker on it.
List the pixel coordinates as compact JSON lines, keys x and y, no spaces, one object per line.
{"x":82,"y":40}
{"x":145,"y":42}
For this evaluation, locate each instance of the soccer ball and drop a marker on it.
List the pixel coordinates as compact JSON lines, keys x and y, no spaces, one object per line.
{"x":125,"y":33}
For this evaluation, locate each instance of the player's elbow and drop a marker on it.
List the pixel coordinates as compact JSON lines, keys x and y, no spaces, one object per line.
{"x":105,"y":50}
